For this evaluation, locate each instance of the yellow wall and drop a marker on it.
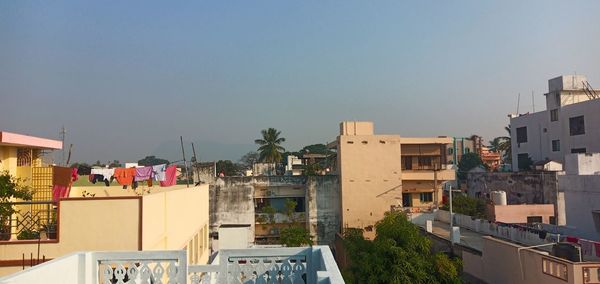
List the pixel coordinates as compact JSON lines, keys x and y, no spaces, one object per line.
{"x":8,"y":157}
{"x":170,"y":220}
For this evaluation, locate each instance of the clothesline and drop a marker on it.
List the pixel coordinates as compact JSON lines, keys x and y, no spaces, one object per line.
{"x":167,"y":176}
{"x":63,"y":177}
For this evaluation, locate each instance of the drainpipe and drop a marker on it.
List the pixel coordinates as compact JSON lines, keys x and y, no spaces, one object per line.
{"x":530,"y":247}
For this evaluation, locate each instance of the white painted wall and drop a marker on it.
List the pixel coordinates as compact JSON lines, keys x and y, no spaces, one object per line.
{"x":582,"y":164}
{"x":582,"y":196}
{"x":541,"y":131}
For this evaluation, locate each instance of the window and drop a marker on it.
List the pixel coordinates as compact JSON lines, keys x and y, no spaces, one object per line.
{"x":554,"y":115}
{"x":450,"y":151}
{"x":426,"y":197}
{"x":578,"y":150}
{"x":534,"y":219}
{"x":523,"y":161}
{"x":424,"y":161}
{"x":557,"y":99}
{"x":406,"y":162}
{"x":522,"y":134}
{"x":555,"y":145}
{"x":467,"y":150}
{"x":576,"y":125}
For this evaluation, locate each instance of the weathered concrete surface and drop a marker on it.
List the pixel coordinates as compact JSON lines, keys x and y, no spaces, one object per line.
{"x":323,"y":208}
{"x":232,"y":201}
{"x":520,"y":188}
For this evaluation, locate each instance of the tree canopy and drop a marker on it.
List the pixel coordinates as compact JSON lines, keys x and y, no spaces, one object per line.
{"x":152,"y":161}
{"x":10,"y":187}
{"x":249,"y":159}
{"x":466,"y":205}
{"x":228,"y":168}
{"x":270,"y":149}
{"x":467,"y":162}
{"x":398,"y":254}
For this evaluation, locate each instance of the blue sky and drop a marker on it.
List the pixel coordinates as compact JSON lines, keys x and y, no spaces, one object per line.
{"x":126,"y":78}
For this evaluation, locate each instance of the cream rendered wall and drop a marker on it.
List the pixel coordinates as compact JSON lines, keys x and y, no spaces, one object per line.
{"x":518,"y":213}
{"x":9,"y":159}
{"x":85,"y":224}
{"x":501,"y":264}
{"x":171,"y":219}
{"x":370,"y":176}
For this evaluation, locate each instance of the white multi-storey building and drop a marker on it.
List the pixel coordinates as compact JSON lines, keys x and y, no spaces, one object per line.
{"x":570,"y":123}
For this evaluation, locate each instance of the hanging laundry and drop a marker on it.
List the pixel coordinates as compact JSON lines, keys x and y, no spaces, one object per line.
{"x":62,"y":179}
{"x":106,"y":173}
{"x":159,"y":172}
{"x":571,"y":239}
{"x":586,"y":247}
{"x":597,"y":248}
{"x":143,"y":173}
{"x":124,"y":176}
{"x":61,"y":176}
{"x":170,"y":176}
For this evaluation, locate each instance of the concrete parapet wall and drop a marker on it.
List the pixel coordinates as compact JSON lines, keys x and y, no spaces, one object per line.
{"x":232,"y":201}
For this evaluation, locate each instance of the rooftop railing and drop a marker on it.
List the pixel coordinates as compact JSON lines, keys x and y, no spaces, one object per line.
{"x":258,"y":265}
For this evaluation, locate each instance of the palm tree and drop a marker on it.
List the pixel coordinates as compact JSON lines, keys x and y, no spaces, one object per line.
{"x":270,"y":150}
{"x":502,"y":144}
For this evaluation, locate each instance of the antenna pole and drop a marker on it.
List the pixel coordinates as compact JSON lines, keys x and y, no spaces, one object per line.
{"x":63,"y":134}
{"x":533,"y":100}
{"x":187,"y":173}
{"x":195,"y":164}
{"x":518,"y":102}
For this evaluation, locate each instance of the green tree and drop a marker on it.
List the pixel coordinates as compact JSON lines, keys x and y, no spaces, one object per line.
{"x":270,"y":150}
{"x":466,"y":205}
{"x":467,"y":162}
{"x":398,"y":254}
{"x":228,"y":168}
{"x":249,"y":159}
{"x":294,"y":236}
{"x":152,"y":161}
{"x":114,"y":164}
{"x":502,"y":144}
{"x":10,"y":188}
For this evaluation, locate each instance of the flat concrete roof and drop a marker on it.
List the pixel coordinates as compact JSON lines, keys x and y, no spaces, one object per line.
{"x":20,"y":140}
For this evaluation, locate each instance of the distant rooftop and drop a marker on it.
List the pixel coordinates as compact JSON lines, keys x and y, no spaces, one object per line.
{"x":14,"y":139}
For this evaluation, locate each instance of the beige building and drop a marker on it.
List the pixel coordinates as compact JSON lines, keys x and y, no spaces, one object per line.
{"x":383,"y":172}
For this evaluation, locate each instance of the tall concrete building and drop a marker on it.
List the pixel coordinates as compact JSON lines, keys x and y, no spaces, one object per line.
{"x":379,"y":173}
{"x":570,"y":123}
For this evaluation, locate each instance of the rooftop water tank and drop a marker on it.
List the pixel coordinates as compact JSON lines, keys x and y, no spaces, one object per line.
{"x":499,"y":197}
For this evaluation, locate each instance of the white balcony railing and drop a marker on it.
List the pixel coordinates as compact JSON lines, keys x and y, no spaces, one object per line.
{"x":259,"y":265}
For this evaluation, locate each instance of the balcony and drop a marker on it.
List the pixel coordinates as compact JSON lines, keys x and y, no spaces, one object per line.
{"x":428,"y":175}
{"x":257,"y":265}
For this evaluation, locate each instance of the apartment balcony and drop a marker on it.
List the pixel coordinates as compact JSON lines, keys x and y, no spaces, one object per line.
{"x":256,"y":265}
{"x":442,"y":175}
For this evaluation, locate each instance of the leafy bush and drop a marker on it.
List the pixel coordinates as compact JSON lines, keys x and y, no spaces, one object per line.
{"x":28,"y":234}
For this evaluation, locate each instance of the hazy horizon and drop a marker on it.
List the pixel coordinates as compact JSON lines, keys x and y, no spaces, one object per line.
{"x":127,"y":78}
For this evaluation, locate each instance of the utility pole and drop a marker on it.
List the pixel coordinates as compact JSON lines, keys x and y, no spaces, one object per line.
{"x":195,"y":164}
{"x":187,"y":173}
{"x":63,"y":134}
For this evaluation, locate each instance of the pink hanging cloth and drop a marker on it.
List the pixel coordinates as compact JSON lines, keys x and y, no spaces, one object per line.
{"x":170,"y":176}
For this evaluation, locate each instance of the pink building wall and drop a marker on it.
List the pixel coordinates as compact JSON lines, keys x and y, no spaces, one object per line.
{"x":519,"y":213}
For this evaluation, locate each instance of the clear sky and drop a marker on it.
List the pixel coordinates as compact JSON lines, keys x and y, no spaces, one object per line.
{"x":126,"y":78}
